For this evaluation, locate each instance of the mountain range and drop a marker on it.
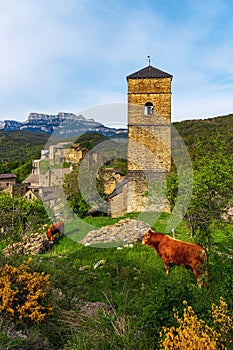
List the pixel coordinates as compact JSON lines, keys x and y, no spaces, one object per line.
{"x":66,"y":124}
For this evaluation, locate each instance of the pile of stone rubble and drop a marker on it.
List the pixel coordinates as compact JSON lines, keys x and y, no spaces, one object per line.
{"x":126,"y":231}
{"x":123,"y":233}
{"x":35,"y":243}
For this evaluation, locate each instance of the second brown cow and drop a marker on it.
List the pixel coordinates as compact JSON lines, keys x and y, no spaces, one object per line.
{"x":178,"y":252}
{"x":57,"y":228}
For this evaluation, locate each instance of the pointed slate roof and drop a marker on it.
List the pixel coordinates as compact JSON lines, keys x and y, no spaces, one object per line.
{"x":149,"y":72}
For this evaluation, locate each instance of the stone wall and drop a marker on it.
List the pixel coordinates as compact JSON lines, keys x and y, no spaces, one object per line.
{"x":110,"y":179}
{"x":76,"y":153}
{"x":136,"y":191}
{"x":149,"y":148}
{"x":118,"y":204}
{"x":156,"y":91}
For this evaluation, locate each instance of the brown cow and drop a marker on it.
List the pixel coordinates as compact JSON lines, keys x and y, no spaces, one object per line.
{"x":58,"y":228}
{"x":178,"y":252}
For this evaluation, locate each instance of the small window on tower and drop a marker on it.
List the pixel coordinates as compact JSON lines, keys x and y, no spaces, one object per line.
{"x":148,"y":109}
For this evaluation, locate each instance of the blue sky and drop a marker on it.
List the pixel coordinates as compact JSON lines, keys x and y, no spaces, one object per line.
{"x":73,"y":55}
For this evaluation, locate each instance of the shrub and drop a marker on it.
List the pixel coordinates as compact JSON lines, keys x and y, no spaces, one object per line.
{"x":194,"y":334}
{"x":22,"y":293}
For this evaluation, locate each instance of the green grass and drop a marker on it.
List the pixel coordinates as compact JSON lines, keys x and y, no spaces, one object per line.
{"x":132,"y":283}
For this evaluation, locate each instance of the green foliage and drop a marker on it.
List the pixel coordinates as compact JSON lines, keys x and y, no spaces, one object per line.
{"x":212,"y":191}
{"x":44,"y":166}
{"x":20,"y":146}
{"x":18,"y":149}
{"x":81,"y":205}
{"x":73,"y":195}
{"x":18,"y":215}
{"x":210,"y":147}
{"x":172,"y":187}
{"x":119,"y":166}
{"x":206,"y":132}
{"x":90,"y":140}
{"x":23,"y":171}
{"x":78,"y":204}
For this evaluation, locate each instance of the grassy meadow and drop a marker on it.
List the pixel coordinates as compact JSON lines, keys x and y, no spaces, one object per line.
{"x":137,"y":297}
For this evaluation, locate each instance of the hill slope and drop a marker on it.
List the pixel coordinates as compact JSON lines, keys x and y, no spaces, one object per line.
{"x":20,"y":146}
{"x":207,"y":131}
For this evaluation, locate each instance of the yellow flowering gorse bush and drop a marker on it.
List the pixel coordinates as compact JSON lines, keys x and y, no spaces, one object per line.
{"x":22,"y":293}
{"x":194,"y":334}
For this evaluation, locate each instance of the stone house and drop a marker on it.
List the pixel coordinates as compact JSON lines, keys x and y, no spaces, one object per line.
{"x":6,"y":180}
{"x":53,"y":177}
{"x":58,"y":152}
{"x":75,"y":154}
{"x":32,"y":181}
{"x":32,"y":194}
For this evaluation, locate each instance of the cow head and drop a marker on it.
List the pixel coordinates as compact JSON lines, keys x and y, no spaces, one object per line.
{"x":147,"y":237}
{"x":49,"y":234}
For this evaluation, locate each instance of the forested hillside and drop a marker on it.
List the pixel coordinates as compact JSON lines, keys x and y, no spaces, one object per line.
{"x":206,"y":132}
{"x":20,"y":146}
{"x":17,"y":149}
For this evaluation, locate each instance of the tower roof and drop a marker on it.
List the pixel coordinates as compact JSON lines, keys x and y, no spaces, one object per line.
{"x":149,"y":72}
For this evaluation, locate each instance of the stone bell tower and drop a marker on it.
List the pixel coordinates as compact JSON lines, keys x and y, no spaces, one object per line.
{"x":149,"y":138}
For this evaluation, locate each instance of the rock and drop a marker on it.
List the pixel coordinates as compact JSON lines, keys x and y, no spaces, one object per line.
{"x":125,"y":232}
{"x":91,"y":309}
{"x":35,"y":243}
{"x":83,"y":268}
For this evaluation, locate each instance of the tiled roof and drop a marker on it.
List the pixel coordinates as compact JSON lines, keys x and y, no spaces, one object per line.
{"x":32,"y":178}
{"x":61,"y":172}
{"x":7,"y":176}
{"x":149,"y":72}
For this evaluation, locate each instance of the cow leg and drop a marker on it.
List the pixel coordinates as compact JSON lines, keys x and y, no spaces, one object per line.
{"x":60,"y":234}
{"x":200,"y":281}
{"x":199,"y":277}
{"x":166,"y":264}
{"x":61,"y":231}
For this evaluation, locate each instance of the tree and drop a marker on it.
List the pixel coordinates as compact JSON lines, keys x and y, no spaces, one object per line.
{"x":91,"y":139}
{"x":18,"y":215}
{"x":212,"y":191}
{"x":72,"y":192}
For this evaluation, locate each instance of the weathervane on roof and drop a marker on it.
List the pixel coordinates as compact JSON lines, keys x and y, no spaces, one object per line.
{"x":149,"y":59}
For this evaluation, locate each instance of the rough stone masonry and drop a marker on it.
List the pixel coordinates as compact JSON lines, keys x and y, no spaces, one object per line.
{"x":125,"y":231}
